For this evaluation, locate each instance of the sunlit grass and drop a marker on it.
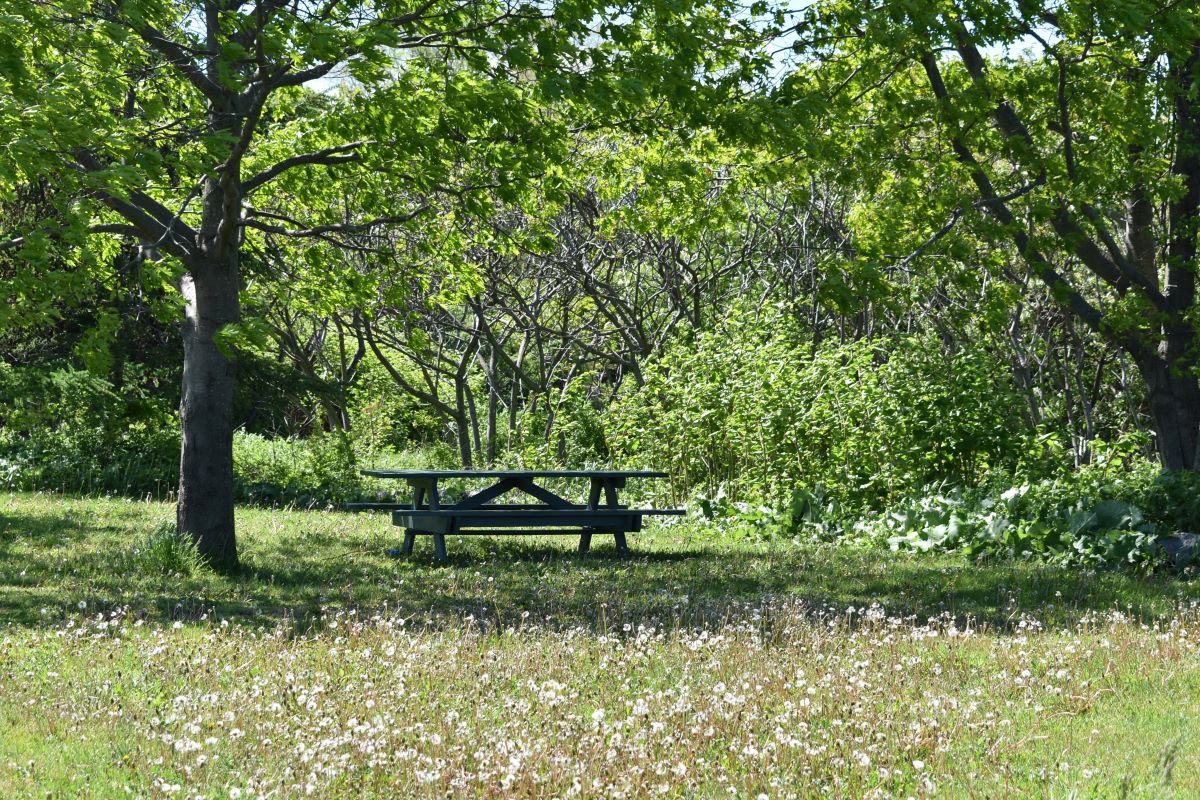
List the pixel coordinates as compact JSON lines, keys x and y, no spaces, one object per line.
{"x":698,"y":667}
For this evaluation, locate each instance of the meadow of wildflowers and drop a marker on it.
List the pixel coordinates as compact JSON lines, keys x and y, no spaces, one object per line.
{"x":493,"y":678}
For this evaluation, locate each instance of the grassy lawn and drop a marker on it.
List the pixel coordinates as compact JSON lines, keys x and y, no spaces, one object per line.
{"x":695,"y":668}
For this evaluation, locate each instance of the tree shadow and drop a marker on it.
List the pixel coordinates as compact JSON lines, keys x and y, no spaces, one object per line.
{"x":57,"y":565}
{"x":500,"y":581}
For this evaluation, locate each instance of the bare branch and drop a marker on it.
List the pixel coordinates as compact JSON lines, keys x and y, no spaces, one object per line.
{"x":932,"y":240}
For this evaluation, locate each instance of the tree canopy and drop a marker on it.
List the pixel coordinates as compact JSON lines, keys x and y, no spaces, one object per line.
{"x":1066,"y":133}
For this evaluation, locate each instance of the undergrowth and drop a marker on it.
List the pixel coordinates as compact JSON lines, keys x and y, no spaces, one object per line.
{"x":1106,"y":515}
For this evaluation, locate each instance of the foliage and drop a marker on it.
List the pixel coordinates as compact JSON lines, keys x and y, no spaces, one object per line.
{"x":1111,"y":534}
{"x":164,"y":553}
{"x":315,"y":471}
{"x":322,"y":470}
{"x":1019,"y":142}
{"x":1111,"y":514}
{"x":808,"y":515}
{"x":1104,"y":515}
{"x":753,"y":410}
{"x":383,"y":415}
{"x":70,"y":430}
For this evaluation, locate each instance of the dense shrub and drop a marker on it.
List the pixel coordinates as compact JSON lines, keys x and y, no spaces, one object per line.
{"x":72,"y":431}
{"x":69,"y":430}
{"x":388,"y":417}
{"x":751,"y":411}
{"x":323,"y":469}
{"x":304,"y":472}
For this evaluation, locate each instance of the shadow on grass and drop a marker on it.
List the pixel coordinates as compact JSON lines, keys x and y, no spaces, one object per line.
{"x":301,"y":568}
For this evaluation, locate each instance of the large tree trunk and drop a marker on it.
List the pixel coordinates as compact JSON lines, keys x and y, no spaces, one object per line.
{"x":1172,"y":379}
{"x":205,"y":510}
{"x":210,"y":291}
{"x":1175,"y":413}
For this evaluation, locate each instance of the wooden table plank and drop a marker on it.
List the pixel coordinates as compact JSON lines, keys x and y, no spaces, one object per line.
{"x":410,"y":474}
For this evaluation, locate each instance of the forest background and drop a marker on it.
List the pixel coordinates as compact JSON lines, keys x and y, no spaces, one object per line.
{"x":920,"y":276}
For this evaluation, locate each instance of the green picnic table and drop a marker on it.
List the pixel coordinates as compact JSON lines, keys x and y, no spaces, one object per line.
{"x":544,"y":512}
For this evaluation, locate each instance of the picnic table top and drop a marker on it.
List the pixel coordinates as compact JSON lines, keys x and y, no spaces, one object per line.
{"x":508,"y":473}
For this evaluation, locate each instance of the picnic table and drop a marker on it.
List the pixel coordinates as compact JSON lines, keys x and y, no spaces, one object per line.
{"x":546,"y":512}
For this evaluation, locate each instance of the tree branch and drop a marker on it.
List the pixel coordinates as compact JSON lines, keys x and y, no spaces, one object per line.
{"x":1115,"y":270}
{"x":1060,"y":288}
{"x":322,"y":230}
{"x":932,"y":240}
{"x":332,"y":155}
{"x":154,"y":222}
{"x":181,"y":59}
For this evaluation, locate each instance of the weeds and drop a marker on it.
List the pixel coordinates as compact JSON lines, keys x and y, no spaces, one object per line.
{"x":697,"y":668}
{"x":163,"y":552}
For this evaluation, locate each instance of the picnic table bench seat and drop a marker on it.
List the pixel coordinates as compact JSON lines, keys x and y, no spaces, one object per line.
{"x":479,"y":514}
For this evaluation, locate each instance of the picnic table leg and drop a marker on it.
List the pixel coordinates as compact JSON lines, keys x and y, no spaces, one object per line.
{"x":585,"y":538}
{"x":439,"y":540}
{"x":610,"y":497}
{"x":410,"y":538}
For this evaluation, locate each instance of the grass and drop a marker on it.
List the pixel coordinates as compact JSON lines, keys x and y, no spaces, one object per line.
{"x":698,"y":667}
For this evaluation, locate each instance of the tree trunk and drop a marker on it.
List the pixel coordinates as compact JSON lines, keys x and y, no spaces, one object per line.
{"x":1175,"y":412}
{"x":205,"y":510}
{"x":462,"y":432}
{"x":336,"y":417}
{"x":473,"y":417}
{"x":493,"y":411}
{"x":210,"y":292}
